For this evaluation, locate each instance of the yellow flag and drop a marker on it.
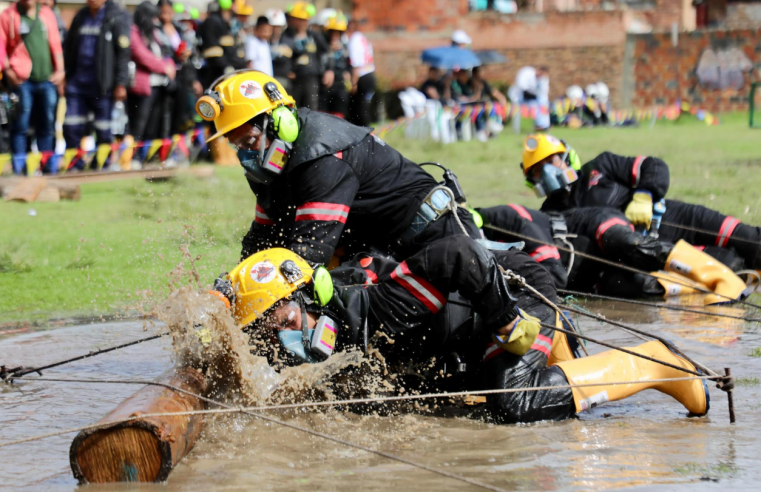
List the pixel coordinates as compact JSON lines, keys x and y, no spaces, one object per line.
{"x":102,"y":154}
{"x":33,"y":163}
{"x":68,"y":155}
{"x":709,"y":119}
{"x":155,"y":146}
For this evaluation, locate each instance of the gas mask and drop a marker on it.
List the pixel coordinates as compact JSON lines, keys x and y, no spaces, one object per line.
{"x":552,"y":180}
{"x":315,"y":345}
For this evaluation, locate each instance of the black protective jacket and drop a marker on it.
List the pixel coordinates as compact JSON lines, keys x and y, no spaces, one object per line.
{"x":113,"y":50}
{"x":340,"y":186}
{"x":221,"y":51}
{"x":610,"y":180}
{"x":306,"y":53}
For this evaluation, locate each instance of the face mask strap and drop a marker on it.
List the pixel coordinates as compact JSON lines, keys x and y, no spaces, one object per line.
{"x":263,"y":141}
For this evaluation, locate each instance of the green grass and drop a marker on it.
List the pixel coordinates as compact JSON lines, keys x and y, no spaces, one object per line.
{"x":117,"y":249}
{"x":756,"y":352}
{"x":747,"y":381}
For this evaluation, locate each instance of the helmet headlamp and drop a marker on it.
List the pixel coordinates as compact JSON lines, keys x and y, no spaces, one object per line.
{"x":208,"y":106}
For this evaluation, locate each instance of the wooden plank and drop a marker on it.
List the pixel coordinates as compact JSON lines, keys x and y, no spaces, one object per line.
{"x":145,"y":449}
{"x":27,"y":190}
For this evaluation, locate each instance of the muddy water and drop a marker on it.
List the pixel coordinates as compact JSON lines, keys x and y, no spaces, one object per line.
{"x":644,"y":442}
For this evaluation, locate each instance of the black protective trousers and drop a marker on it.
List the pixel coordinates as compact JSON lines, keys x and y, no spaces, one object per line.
{"x":726,"y":232}
{"x":408,"y":295}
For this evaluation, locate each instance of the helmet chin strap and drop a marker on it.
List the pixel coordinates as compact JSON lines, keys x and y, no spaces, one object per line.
{"x":305,"y":340}
{"x":263,"y":142}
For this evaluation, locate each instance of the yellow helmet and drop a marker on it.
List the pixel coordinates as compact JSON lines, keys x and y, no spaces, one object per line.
{"x":240,"y":7}
{"x":538,"y":147}
{"x":337,"y":22}
{"x":301,"y":10}
{"x":264,"y":278}
{"x":238,"y":97}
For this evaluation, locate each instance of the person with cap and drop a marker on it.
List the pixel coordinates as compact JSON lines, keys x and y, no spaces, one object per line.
{"x":322,"y":182}
{"x":282,"y":54}
{"x":595,"y":105}
{"x":218,"y":45}
{"x":334,"y":96}
{"x":258,"y":52}
{"x":532,"y":88}
{"x":296,"y":312}
{"x":307,"y":51}
{"x":363,"y":83}
{"x":460,"y":39}
{"x":96,"y":58}
{"x":630,"y":186}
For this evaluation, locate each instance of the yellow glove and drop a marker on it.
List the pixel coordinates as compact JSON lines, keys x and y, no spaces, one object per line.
{"x":521,"y":335}
{"x":640,"y":209}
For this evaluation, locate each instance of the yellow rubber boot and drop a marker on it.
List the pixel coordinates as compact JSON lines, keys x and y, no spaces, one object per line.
{"x":615,"y":366}
{"x":700,"y":267}
{"x":677,"y":285}
{"x":561,"y":349}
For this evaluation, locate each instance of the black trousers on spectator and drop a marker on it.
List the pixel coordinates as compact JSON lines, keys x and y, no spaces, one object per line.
{"x":335,"y":99}
{"x":359,"y":105}
{"x":139,"y":113}
{"x":305,"y":90}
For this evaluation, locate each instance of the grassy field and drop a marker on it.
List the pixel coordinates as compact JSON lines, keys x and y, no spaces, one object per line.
{"x":118,"y":249}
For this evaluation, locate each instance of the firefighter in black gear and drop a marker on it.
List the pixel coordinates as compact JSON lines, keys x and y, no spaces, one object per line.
{"x":546,"y":164}
{"x":328,"y":183}
{"x":632,"y":185}
{"x":307,"y":51}
{"x":222,"y":52}
{"x":599,"y":232}
{"x":334,"y":96}
{"x":302,"y":315}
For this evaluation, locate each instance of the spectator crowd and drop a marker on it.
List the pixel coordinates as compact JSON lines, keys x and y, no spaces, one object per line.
{"x":134,"y":77}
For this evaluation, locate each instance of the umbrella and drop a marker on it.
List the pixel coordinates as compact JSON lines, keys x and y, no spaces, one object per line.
{"x":449,"y":57}
{"x":491,"y":57}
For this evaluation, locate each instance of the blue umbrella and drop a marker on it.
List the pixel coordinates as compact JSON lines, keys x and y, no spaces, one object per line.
{"x":450,"y":57}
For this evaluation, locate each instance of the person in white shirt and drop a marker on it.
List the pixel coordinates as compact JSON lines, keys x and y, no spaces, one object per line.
{"x":258,"y":53}
{"x":363,"y":75}
{"x":532,"y":88}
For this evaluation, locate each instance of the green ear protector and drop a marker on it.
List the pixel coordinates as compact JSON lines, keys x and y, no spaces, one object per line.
{"x":285,"y":124}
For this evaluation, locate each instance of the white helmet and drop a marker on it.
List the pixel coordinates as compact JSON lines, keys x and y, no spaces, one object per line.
{"x":603,"y":93}
{"x":461,"y":37}
{"x":276,"y":17}
{"x":575,"y":94}
{"x":322,"y":17}
{"x":591,"y":91}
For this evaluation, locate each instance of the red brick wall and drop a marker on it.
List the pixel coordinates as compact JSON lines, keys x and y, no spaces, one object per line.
{"x":662,"y":76}
{"x":580,"y":48}
{"x":409,"y":15}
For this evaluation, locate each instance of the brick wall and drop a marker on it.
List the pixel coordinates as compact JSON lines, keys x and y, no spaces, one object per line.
{"x":662,"y":74}
{"x":409,"y":15}
{"x":580,"y":47}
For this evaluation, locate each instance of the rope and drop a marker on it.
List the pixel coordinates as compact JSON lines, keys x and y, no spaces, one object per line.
{"x":617,"y":265}
{"x":511,"y":276}
{"x":670,"y":345}
{"x":247,"y":410}
{"x":706,"y":231}
{"x":658,"y":305}
{"x":20,"y":371}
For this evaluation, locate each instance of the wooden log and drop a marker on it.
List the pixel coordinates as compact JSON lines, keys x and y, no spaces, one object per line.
{"x":144,"y":449}
{"x":27,"y":190}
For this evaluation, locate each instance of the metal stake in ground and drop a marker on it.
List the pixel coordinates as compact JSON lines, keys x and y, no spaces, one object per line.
{"x":730,"y":396}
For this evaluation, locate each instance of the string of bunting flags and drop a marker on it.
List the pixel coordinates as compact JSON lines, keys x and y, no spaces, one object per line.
{"x":504,"y":113}
{"x":55,"y":163}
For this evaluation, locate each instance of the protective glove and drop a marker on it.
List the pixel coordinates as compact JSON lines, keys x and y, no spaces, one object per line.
{"x":640,"y":209}
{"x":477,"y":218}
{"x":521,"y":335}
